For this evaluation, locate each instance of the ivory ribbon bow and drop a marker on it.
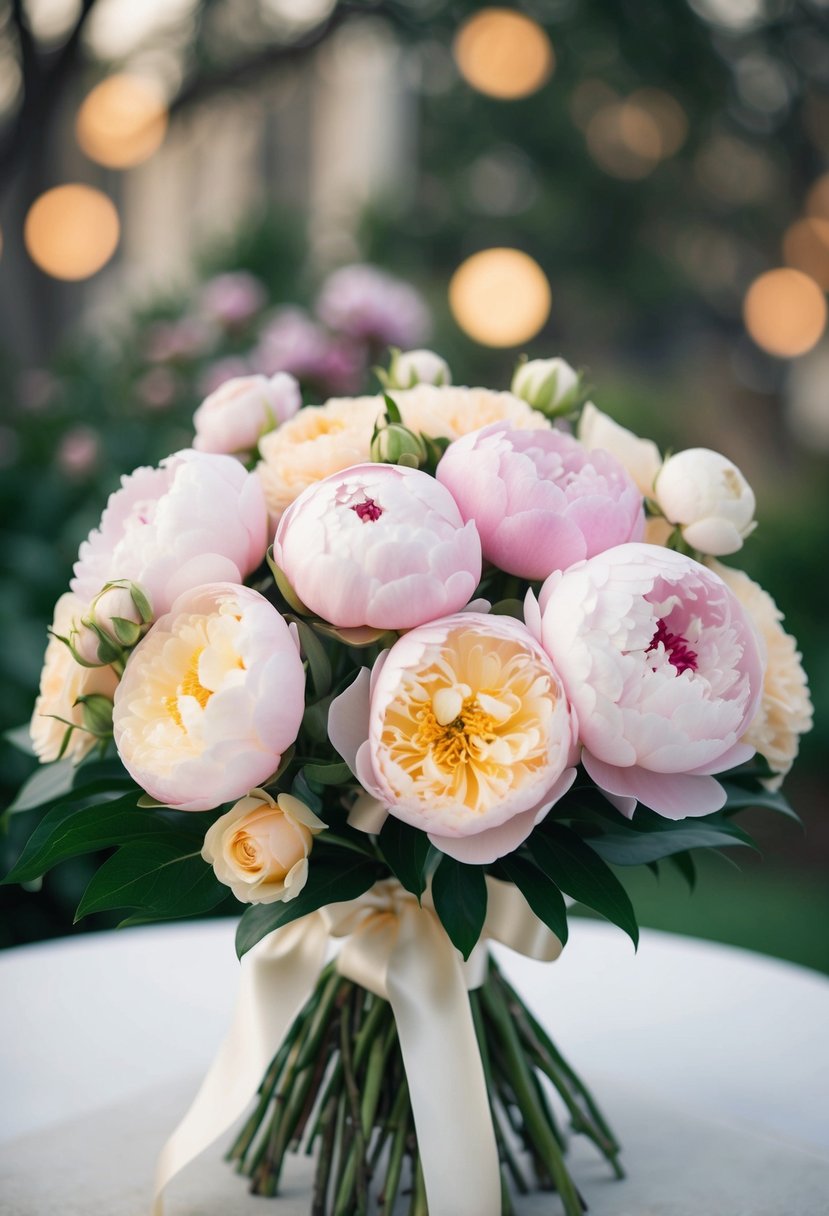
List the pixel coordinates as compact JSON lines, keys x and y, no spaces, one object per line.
{"x":400,"y":951}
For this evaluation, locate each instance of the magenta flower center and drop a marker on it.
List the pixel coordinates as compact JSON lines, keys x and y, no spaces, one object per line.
{"x":679,"y":653}
{"x":367,"y":511}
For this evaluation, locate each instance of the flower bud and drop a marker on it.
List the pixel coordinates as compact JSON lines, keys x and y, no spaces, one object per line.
{"x":707,"y":497}
{"x":97,"y":714}
{"x":117,"y":619}
{"x":551,"y":386}
{"x":411,"y":367}
{"x":394,"y":443}
{"x":260,"y":847}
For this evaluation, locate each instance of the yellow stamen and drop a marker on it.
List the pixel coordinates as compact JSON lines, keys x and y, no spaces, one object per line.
{"x":190,"y":686}
{"x":453,"y":743}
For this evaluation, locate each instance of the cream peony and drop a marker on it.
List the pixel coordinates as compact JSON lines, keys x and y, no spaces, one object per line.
{"x":463,"y":731}
{"x":260,"y":847}
{"x":210,"y":699}
{"x":62,"y":682}
{"x":640,"y":457}
{"x":785,"y":711}
{"x":325,"y":439}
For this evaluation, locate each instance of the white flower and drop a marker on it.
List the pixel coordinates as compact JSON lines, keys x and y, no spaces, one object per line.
{"x":549,"y":385}
{"x":640,"y":457}
{"x":411,"y":367}
{"x":708,"y":497}
{"x":260,"y":847}
{"x":62,"y":683}
{"x":785,"y":711}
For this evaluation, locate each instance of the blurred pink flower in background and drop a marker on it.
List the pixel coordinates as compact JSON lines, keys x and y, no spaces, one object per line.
{"x":157,"y":388}
{"x":366,"y":303}
{"x":195,"y":519}
{"x":378,"y":545}
{"x":183,"y":339}
{"x":663,"y":669}
{"x":36,"y":389}
{"x":233,"y":299}
{"x":540,"y":501}
{"x":290,"y":341}
{"x":78,"y":451}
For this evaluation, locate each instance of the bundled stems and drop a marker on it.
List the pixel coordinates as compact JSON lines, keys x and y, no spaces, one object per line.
{"x":337,"y":1085}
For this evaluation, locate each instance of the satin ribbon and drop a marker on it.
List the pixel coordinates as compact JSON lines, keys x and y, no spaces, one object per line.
{"x":400,"y":951}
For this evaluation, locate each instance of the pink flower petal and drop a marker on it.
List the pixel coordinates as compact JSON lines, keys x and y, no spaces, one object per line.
{"x":673,"y":795}
{"x":348,"y":718}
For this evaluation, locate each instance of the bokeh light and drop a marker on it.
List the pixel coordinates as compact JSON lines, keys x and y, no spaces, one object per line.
{"x":71,"y":231}
{"x":624,"y":140}
{"x":503,"y":54}
{"x":122,"y":121}
{"x":500,"y":297}
{"x":785,"y":312}
{"x":806,"y":248}
{"x":667,"y":114}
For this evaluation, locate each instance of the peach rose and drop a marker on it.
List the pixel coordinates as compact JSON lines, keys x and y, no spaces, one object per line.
{"x":260,"y":847}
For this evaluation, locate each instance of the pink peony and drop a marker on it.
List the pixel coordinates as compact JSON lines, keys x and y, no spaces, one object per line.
{"x":462,"y":730}
{"x":366,"y":303}
{"x":378,"y":545}
{"x":540,"y":501}
{"x":663,"y":670}
{"x":210,"y":699}
{"x":179,"y":341}
{"x":195,"y":519}
{"x":234,"y":417}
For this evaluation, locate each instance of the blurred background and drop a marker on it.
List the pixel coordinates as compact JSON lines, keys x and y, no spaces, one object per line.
{"x":640,"y":187}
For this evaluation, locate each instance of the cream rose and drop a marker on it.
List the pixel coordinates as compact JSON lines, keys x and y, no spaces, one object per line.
{"x":260,"y":847}
{"x":325,"y":439}
{"x":785,"y":711}
{"x":62,"y":683}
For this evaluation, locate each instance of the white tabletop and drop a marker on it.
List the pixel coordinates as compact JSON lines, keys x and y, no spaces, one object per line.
{"x":715,"y":1034}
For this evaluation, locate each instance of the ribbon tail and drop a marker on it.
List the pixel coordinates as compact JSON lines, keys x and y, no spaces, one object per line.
{"x":278,"y":976}
{"x":427,"y":990}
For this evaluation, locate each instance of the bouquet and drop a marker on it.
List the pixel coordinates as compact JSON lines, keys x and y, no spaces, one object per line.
{"x":406,"y":672}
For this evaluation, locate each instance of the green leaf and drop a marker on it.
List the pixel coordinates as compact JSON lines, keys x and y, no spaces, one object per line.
{"x":69,"y":831}
{"x":540,"y":892}
{"x":333,"y":877}
{"x":318,"y":661}
{"x":21,"y":738}
{"x":392,"y":412}
{"x":328,"y":774}
{"x":580,"y":872}
{"x":632,"y":848}
{"x":686,"y":866}
{"x":459,"y":894}
{"x":738,"y":797}
{"x":47,"y":783}
{"x":407,"y":851}
{"x":160,"y":879}
{"x":509,"y":607}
